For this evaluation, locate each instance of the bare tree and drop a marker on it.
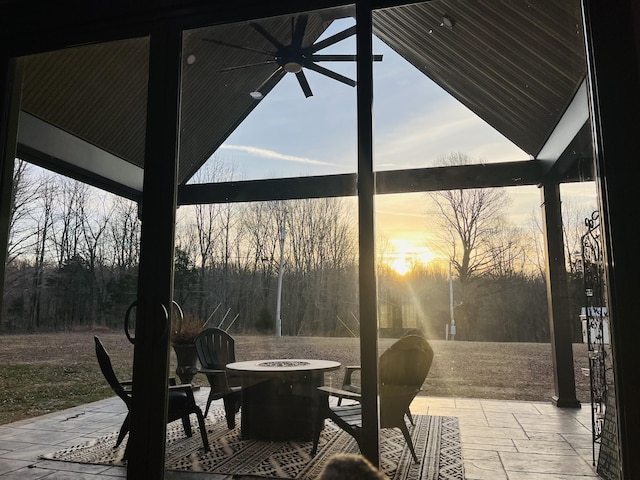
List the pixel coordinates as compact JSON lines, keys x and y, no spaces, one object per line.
{"x":68,"y":225}
{"x":95,"y":226}
{"x":321,"y":246}
{"x":536,"y":251}
{"x":43,"y":223}
{"x":467,"y":220}
{"x":508,"y":288}
{"x":212,"y":231}
{"x":21,"y":243}
{"x":261,"y":221}
{"x":21,"y":231}
{"x":573,"y":227}
{"x":124,"y":234}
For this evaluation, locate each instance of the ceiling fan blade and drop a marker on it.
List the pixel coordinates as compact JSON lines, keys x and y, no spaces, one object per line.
{"x":302,"y":80}
{"x":338,"y":37}
{"x":330,"y":74}
{"x":271,"y":81}
{"x":333,"y":58}
{"x":239,"y":47}
{"x":272,"y":40}
{"x":340,"y":58}
{"x":298,"y":32}
{"x":239,"y":67}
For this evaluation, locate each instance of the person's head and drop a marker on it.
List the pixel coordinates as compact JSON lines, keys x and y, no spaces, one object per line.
{"x":346,"y":466}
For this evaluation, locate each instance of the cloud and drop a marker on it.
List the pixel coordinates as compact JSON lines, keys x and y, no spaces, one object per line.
{"x":264,"y":153}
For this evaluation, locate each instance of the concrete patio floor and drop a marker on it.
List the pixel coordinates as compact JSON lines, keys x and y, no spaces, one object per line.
{"x":510,"y":440}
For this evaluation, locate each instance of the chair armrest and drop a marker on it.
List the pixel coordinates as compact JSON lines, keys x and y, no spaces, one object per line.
{"x":187,"y":389}
{"x":183,"y":386}
{"x":129,"y":383}
{"x":348,"y":371}
{"x":217,"y":379}
{"x":338,"y":392}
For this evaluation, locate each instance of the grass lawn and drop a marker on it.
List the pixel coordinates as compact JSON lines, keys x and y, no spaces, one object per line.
{"x":42,"y":373}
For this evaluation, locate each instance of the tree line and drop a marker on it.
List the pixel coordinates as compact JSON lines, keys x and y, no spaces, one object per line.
{"x":73,"y":258}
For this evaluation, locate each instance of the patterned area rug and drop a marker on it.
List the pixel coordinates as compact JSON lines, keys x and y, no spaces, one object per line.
{"x":436,"y":440}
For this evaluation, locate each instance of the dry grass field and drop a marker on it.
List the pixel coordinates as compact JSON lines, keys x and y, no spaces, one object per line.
{"x":42,"y":373}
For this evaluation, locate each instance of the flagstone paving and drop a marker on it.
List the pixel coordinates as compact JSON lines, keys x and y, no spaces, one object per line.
{"x":501,"y":440}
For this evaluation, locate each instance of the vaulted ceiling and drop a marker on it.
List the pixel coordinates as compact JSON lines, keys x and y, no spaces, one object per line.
{"x":518,"y":65}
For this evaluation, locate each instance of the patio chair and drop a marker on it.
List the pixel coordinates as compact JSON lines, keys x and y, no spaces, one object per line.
{"x":403,"y":369}
{"x":216,"y":348}
{"x":349,"y":385}
{"x":181,"y":400}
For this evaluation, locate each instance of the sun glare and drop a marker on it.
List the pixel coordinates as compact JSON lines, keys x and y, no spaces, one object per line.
{"x":401,"y":265}
{"x":406,"y":257}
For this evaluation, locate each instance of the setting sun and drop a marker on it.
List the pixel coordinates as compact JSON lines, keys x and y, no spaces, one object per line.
{"x":401,"y":265}
{"x":406,"y":256}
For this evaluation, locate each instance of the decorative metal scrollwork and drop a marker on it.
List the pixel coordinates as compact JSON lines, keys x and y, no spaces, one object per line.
{"x":595,"y":321}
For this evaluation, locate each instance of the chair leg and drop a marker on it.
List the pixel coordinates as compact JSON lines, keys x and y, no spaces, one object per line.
{"x":407,"y":437}
{"x":410,"y":417}
{"x":126,"y":452}
{"x":209,"y":400}
{"x":316,"y":437}
{"x":186,"y":424}
{"x":123,"y":430}
{"x":323,"y":407}
{"x":203,"y":430}
{"x":231,"y":403}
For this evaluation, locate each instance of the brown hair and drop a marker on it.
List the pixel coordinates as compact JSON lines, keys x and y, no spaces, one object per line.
{"x":348,"y":466}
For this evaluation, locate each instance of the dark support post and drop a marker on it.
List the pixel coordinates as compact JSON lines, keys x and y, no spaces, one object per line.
{"x":155,"y":283}
{"x":10,"y":89}
{"x":558,"y":300}
{"x":367,"y":274}
{"x":612,"y":38}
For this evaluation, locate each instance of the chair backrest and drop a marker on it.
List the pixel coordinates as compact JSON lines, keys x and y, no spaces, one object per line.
{"x":406,"y":362}
{"x":413,"y":331}
{"x":216,"y":348}
{"x":107,"y":370}
{"x":403,"y":369}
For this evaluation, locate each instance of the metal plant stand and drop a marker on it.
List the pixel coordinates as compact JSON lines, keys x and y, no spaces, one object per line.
{"x":595,"y":313}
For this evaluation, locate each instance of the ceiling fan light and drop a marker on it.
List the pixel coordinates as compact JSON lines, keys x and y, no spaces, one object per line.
{"x":256,"y":95}
{"x":448,"y":22}
{"x":292,"y":67}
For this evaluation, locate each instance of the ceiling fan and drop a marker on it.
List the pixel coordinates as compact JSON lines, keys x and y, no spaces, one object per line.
{"x":292,"y":58}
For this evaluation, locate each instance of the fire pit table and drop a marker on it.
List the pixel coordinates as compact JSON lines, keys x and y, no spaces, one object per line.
{"x":279,"y":397}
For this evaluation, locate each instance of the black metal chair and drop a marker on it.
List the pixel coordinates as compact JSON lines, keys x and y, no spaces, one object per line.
{"x":216,"y":348}
{"x":403,"y":369}
{"x":181,"y":400}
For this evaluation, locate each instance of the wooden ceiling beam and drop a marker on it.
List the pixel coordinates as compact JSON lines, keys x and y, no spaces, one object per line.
{"x":508,"y":174}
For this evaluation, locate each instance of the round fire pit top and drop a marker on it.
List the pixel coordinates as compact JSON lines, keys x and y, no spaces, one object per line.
{"x":283,"y":363}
